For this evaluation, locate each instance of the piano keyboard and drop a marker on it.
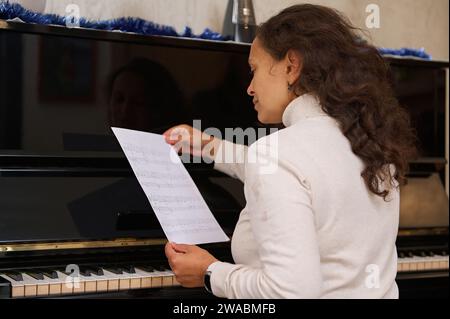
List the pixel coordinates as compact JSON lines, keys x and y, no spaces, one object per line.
{"x":42,"y":283}
{"x":423,"y":261}
{"x":33,"y":283}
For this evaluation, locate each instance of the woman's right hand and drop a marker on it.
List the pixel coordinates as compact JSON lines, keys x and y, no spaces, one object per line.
{"x":188,"y":140}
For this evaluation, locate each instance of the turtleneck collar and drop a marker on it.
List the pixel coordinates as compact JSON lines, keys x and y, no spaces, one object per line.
{"x":303,"y":107}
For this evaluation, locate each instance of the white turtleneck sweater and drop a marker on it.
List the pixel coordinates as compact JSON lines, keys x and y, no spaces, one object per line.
{"x":310,"y":228}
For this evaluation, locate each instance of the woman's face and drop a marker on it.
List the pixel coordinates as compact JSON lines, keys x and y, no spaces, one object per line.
{"x":269,"y":86}
{"x":130,"y":106}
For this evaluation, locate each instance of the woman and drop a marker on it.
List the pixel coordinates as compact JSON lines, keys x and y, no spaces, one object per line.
{"x":138,"y":97}
{"x":324,"y":224}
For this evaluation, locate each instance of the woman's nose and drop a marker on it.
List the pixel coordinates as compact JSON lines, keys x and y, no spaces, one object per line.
{"x":250,"y":90}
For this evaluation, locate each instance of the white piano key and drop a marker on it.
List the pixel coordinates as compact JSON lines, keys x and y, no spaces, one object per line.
{"x":146,"y":278}
{"x":113,"y":280}
{"x":137,"y":279}
{"x":54,"y":286}
{"x":75,"y":285}
{"x":17,"y":287}
{"x":48,"y":286}
{"x":167,"y":280}
{"x":90,"y":284}
{"x":116,"y":282}
{"x":67,"y":286}
{"x":109,"y":281}
{"x":102,"y":283}
{"x":156,"y":277}
{"x":31,"y":286}
{"x":419,"y":263}
{"x":131,"y":280}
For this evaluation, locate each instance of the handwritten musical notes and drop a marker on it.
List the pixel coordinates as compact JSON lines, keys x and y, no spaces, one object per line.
{"x":173,"y":195}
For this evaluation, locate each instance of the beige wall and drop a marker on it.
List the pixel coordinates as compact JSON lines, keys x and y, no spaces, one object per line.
{"x":404,"y":23}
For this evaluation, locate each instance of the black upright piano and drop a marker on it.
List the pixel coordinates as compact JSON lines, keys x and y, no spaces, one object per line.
{"x":70,"y":206}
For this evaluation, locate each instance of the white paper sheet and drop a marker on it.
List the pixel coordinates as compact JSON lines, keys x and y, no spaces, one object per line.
{"x":173,"y":195}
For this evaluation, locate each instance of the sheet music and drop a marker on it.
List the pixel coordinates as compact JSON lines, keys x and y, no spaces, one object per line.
{"x":173,"y":195}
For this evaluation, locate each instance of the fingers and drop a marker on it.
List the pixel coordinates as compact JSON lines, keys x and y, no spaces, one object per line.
{"x":177,"y":133}
{"x":173,"y":253}
{"x":170,"y":130}
{"x":172,"y":249}
{"x":187,"y":140}
{"x":181,"y":248}
{"x":170,"y":252}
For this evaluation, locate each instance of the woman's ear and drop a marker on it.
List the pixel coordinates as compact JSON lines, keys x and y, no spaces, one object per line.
{"x":294,"y":65}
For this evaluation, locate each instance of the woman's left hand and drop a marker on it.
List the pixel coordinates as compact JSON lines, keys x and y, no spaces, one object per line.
{"x":189,"y":263}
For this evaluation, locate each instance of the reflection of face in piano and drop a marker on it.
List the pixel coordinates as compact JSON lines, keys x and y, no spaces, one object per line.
{"x":143,"y":96}
{"x":130,"y":103}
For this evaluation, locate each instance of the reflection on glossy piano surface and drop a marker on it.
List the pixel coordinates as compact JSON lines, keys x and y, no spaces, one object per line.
{"x":73,"y":219}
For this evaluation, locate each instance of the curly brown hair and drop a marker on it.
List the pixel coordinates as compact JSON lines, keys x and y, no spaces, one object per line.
{"x":352,"y":81}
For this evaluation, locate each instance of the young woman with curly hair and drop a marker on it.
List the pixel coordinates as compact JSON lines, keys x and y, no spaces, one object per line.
{"x":324,"y":224}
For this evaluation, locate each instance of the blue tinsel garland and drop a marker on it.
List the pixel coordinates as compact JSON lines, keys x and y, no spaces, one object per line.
{"x":10,"y":11}
{"x":406,"y":52}
{"x":140,"y":26}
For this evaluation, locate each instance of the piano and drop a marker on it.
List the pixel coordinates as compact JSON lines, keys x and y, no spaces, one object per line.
{"x":422,"y":242}
{"x":74,"y":222}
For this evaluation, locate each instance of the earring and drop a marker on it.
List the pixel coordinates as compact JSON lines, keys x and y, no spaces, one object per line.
{"x":289,"y":87}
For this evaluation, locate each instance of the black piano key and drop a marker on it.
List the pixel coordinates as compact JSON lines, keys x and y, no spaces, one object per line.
{"x":120,"y":269}
{"x":36,"y":274}
{"x":162,"y":267}
{"x":114,"y":270}
{"x":97,"y":271}
{"x":67,"y":273}
{"x":14,"y":275}
{"x":146,"y":268}
{"x":91,"y":270}
{"x":63,"y":270}
{"x":52,"y":274}
{"x":129,"y":269}
{"x":85,"y":272}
